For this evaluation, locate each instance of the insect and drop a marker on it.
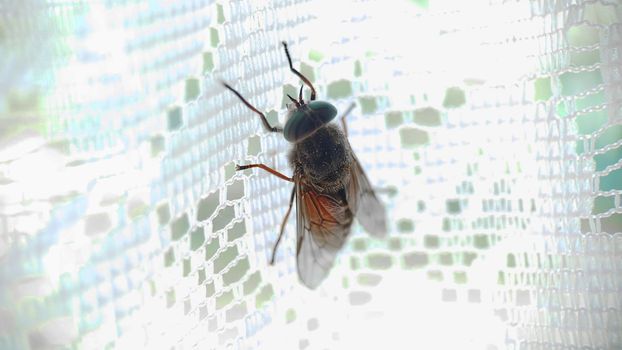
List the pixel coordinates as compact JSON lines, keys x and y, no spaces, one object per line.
{"x":330,"y":186}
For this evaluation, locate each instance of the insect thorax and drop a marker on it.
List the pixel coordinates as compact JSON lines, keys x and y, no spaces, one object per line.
{"x":324,"y":158}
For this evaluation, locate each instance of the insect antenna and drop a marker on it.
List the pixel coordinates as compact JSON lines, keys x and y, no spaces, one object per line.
{"x":302,"y":102}
{"x":291,"y":67}
{"x":251,"y":107}
{"x":294,"y":100}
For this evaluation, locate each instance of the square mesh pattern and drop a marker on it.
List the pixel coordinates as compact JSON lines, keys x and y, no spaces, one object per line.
{"x":492,"y":130}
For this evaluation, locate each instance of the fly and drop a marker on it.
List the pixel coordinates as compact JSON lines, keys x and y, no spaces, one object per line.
{"x":330,"y":186}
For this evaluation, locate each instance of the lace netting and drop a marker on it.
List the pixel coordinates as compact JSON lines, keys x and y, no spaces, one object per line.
{"x":492,"y":129}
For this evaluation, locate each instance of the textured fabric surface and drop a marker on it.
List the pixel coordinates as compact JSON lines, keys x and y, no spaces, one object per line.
{"x":492,"y":129}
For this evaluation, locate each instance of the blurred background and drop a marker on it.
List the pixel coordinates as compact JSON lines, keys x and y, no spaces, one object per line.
{"x":493,"y":127}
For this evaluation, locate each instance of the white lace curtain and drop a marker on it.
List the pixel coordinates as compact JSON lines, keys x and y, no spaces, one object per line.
{"x":493,"y":128}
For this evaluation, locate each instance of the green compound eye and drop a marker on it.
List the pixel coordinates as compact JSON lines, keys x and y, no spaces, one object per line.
{"x":305,"y":120}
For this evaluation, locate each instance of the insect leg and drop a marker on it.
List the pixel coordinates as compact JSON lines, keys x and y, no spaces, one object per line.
{"x":278,"y":240}
{"x":291,"y":67}
{"x":343,"y":118}
{"x":266,"y":168}
{"x":261,"y":115}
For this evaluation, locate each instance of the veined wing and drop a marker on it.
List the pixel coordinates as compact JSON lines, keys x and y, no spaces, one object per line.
{"x":322,"y":226}
{"x":363,"y":202}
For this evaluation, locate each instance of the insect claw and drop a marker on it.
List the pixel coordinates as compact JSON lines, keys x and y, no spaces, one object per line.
{"x":238,"y":167}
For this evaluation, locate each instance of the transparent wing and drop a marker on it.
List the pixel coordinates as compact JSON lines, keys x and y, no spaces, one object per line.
{"x":363,"y":202}
{"x":322,"y":226}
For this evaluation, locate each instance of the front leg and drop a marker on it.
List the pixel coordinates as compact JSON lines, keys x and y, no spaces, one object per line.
{"x":264,"y":120}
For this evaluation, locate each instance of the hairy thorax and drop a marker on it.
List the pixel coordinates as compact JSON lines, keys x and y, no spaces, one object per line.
{"x":324,"y":158}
